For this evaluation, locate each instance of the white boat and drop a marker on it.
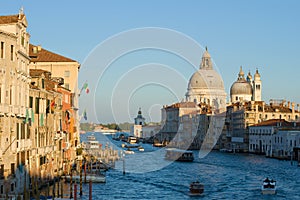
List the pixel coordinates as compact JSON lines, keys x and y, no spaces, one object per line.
{"x":129,"y":152}
{"x":140,"y":148}
{"x":132,"y":140}
{"x":268,"y":187}
{"x":95,"y":178}
{"x":92,"y":143}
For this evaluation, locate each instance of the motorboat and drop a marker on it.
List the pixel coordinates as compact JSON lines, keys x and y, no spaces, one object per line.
{"x":269,"y":186}
{"x":92,"y":143}
{"x":196,"y":188}
{"x":179,"y":155}
{"x":140,"y":148}
{"x":132,"y":140}
{"x":128,"y":151}
{"x":91,"y":176}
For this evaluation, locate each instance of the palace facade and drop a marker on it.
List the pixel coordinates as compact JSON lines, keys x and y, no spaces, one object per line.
{"x":38,"y":109}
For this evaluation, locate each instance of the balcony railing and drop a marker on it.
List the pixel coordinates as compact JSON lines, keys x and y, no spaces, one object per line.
{"x":24,"y":144}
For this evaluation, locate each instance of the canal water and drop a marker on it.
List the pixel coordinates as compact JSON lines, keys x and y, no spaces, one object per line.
{"x":224,"y":175}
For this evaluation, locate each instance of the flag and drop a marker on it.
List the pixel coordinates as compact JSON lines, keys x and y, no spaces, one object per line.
{"x":42,"y":119}
{"x":32,"y":115}
{"x":27,"y":116}
{"x":71,"y":127}
{"x":85,"y":87}
{"x":52,"y":105}
{"x":84,"y":115}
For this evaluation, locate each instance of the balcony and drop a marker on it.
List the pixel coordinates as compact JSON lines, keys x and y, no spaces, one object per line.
{"x":23,"y":144}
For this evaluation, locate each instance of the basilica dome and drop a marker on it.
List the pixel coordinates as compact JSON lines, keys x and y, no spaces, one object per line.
{"x":206,"y":85}
{"x":206,"y":79}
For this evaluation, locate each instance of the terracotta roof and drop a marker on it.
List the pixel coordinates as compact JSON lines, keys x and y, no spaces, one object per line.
{"x":44,"y":55}
{"x":38,"y":72}
{"x":274,"y":122}
{"x":182,"y":105}
{"x":10,"y":19}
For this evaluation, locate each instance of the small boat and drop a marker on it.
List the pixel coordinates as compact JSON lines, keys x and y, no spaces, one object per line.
{"x":131,"y":146}
{"x":128,"y":151}
{"x":132,"y":140}
{"x":196,"y":188}
{"x":268,"y":187}
{"x":158,"y":144}
{"x":140,"y":148}
{"x":179,"y":155}
{"x":95,"y":178}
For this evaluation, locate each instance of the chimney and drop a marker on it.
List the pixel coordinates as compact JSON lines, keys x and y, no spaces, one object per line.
{"x":39,"y":48}
{"x":289,"y":104}
{"x":252,"y":105}
{"x":34,"y":50}
{"x":293,"y":108}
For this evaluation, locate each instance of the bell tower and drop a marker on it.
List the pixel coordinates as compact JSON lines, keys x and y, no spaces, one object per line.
{"x":256,"y":87}
{"x":139,"y":120}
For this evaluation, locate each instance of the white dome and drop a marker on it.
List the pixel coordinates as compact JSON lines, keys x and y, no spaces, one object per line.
{"x":206,"y":86}
{"x":206,"y":79}
{"x":241,"y":87}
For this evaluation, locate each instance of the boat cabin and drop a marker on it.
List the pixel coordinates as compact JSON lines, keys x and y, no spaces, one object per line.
{"x":179,"y":155}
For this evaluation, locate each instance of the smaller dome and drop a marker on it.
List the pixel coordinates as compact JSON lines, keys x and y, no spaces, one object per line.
{"x":249,"y":75}
{"x":241,"y":88}
{"x":256,"y":75}
{"x":139,"y":112}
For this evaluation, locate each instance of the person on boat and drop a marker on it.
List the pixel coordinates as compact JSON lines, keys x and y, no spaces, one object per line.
{"x":267,"y":180}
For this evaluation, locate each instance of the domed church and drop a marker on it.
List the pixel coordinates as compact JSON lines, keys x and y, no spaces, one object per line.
{"x":246,"y":89}
{"x":206,"y":85}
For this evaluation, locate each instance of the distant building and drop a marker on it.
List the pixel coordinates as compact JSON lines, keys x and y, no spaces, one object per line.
{"x":137,"y":128}
{"x":246,"y":109}
{"x":274,"y":138}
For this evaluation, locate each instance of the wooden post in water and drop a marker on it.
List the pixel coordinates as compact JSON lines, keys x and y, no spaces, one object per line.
{"x":62,"y":190}
{"x":48,"y":189}
{"x":58,"y":186}
{"x":71,"y":185}
{"x":90,"y":190}
{"x":123,"y":163}
{"x":84,"y":172}
{"x":24,"y":187}
{"x":53,"y":189}
{"x":75,"y":191}
{"x":80,"y":190}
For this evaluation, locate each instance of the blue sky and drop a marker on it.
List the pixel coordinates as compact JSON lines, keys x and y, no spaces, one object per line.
{"x":254,"y":34}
